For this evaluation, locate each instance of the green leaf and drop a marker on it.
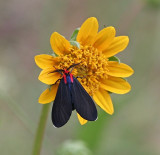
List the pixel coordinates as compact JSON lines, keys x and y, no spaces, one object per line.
{"x":49,"y":87}
{"x":74,"y":35}
{"x":75,"y":43}
{"x":114,"y":58}
{"x":54,"y":54}
{"x":109,"y":92}
{"x":124,"y":79}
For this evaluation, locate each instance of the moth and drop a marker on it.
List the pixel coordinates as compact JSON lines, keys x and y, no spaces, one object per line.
{"x":71,"y":96}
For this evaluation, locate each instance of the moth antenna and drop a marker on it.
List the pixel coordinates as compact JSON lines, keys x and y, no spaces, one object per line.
{"x":72,"y":66}
{"x":58,"y":70}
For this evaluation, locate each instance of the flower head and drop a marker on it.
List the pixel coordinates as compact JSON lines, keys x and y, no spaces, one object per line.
{"x":101,"y":73}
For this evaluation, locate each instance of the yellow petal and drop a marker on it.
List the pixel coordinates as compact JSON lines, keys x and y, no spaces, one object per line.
{"x":49,"y":94}
{"x":88,"y":31}
{"x":46,"y":61}
{"x":115,"y":85}
{"x":118,"y":45}
{"x":119,"y":69}
{"x":81,"y":120}
{"x":59,"y":44}
{"x":49,"y":77}
{"x":104,"y":38}
{"x":103,"y":99}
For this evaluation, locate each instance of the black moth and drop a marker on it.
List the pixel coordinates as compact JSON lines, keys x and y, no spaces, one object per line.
{"x":71,"y":96}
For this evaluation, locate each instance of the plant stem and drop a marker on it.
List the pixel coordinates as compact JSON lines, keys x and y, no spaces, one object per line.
{"x":40,"y":130}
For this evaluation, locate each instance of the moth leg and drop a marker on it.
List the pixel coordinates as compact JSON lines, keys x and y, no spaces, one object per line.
{"x":58,"y":70}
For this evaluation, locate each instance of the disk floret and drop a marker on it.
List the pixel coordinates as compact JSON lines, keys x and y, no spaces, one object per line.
{"x":93,"y":66}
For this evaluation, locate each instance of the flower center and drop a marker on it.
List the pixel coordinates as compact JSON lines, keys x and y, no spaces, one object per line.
{"x":92,"y":67}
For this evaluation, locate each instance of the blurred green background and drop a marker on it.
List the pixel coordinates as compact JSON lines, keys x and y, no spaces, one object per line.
{"x":25,"y":29}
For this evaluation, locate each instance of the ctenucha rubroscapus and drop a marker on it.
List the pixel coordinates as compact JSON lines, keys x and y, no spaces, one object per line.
{"x":71,"y":96}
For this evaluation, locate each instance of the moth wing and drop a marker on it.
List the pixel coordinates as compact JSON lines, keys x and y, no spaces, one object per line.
{"x":62,"y":107}
{"x":83,"y":103}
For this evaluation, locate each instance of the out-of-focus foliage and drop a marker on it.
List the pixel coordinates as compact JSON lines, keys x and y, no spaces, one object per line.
{"x":154,"y":3}
{"x":73,"y":147}
{"x":25,"y":29}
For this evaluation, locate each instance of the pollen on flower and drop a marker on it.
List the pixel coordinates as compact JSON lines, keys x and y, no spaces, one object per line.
{"x":93,"y":66}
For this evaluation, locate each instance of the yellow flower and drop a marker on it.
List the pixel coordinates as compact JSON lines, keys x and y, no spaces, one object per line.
{"x":101,"y":75}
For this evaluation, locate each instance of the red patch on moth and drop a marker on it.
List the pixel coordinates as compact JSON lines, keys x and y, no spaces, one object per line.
{"x":65,"y":78}
{"x":71,"y":77}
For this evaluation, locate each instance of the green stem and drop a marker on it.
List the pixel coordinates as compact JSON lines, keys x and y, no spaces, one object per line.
{"x":40,"y":130}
